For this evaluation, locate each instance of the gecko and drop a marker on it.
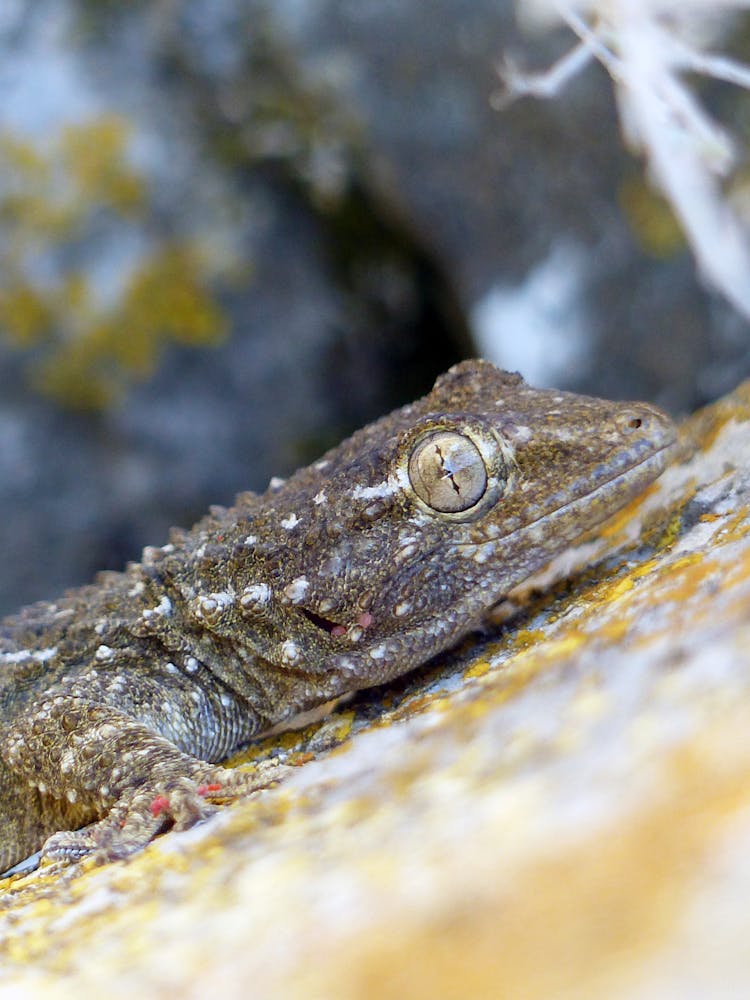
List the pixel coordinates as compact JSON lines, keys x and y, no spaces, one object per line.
{"x":120,"y":700}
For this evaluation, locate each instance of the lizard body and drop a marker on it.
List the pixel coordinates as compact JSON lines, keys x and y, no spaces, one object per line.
{"x":353,"y":571}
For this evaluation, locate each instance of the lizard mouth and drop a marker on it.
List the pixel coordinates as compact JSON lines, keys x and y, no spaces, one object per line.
{"x":337,"y":630}
{"x":325,"y":624}
{"x":648,"y":469}
{"x":605,"y":499}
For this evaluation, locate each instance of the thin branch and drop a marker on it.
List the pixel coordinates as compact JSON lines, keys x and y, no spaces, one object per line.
{"x":642,"y":44}
{"x":517,"y":83}
{"x":711,"y":64}
{"x":590,"y":38}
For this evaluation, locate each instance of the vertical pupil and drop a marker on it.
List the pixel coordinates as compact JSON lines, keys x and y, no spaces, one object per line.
{"x":447,"y":472}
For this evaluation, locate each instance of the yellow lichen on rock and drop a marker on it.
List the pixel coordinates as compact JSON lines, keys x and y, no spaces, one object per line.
{"x":80,"y":191}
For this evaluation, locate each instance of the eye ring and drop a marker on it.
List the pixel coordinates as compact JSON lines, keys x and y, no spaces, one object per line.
{"x":448,"y":472}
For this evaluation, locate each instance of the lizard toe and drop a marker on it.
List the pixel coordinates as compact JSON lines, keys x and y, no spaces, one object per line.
{"x":68,"y":845}
{"x":173,"y":803}
{"x":222,"y":784}
{"x":133,"y":822}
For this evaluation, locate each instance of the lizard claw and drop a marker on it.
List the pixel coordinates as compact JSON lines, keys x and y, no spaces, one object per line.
{"x":175,"y":804}
{"x":132,"y":823}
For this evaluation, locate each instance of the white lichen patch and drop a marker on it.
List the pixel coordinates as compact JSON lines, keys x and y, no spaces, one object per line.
{"x":320,"y":498}
{"x":288,"y":523}
{"x":289,"y":652}
{"x":254,"y":594}
{"x":376,"y":492}
{"x":346,"y":665}
{"x":18,"y":656}
{"x":296,"y":590}
{"x":224,"y":598}
{"x":163,"y":608}
{"x":212,"y":606}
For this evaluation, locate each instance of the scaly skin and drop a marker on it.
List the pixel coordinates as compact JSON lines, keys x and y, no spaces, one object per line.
{"x":119,"y":699}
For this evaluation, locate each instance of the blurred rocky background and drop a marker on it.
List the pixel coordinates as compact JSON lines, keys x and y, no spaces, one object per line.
{"x":232,"y":232}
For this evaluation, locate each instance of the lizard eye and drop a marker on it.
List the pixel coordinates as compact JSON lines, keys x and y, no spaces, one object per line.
{"x":447,"y":472}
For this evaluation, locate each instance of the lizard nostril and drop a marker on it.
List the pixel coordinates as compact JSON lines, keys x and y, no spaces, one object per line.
{"x":631,"y":420}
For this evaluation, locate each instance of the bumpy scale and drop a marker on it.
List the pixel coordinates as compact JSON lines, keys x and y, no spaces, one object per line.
{"x":353,"y":571}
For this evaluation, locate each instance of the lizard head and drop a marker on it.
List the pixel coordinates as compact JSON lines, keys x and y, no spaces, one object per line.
{"x":399,"y":540}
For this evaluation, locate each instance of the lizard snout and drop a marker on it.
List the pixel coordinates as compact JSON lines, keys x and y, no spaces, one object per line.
{"x":644,"y":422}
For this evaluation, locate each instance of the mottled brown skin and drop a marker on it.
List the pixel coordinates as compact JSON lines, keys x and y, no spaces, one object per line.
{"x":116,"y":697}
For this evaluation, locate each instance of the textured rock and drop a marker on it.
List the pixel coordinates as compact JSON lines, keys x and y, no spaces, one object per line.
{"x":562,"y":809}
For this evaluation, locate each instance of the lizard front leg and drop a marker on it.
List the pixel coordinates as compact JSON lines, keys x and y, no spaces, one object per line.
{"x":88,"y":761}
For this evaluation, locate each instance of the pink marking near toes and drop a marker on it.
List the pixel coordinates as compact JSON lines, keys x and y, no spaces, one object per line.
{"x":208,"y":789}
{"x":159,"y":805}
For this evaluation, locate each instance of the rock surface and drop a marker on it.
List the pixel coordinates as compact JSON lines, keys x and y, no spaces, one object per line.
{"x":559,"y":810}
